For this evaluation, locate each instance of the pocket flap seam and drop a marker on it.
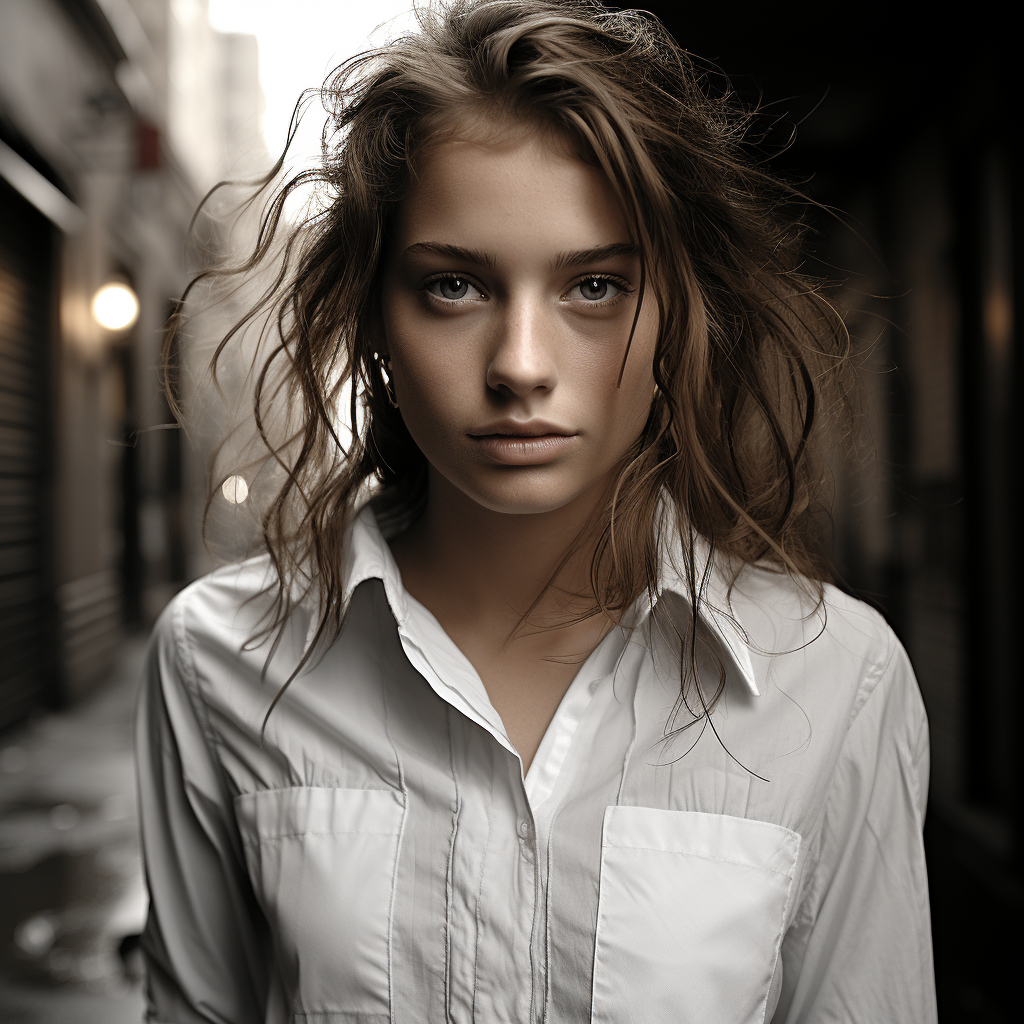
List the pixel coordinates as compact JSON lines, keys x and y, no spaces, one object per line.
{"x":700,"y":856}
{"x":269,"y":838}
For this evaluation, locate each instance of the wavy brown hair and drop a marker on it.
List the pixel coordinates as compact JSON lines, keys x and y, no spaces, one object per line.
{"x":750,"y":359}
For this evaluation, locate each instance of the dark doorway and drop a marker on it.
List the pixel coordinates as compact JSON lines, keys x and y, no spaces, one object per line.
{"x":28,"y":647}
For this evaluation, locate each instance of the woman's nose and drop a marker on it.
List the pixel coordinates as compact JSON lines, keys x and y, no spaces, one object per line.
{"x":522,"y":359}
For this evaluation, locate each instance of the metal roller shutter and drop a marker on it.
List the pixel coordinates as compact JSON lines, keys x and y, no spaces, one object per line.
{"x":28,"y":644}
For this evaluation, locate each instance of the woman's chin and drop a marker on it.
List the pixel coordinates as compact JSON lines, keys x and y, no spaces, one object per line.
{"x":524,"y":491}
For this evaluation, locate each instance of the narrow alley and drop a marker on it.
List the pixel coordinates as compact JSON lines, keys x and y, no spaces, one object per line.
{"x":72,"y":895}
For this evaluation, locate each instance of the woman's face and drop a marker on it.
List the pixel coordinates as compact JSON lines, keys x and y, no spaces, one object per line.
{"x":508,"y":298}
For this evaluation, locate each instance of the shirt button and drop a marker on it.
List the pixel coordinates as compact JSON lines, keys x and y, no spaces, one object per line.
{"x":593,"y":686}
{"x":524,"y":828}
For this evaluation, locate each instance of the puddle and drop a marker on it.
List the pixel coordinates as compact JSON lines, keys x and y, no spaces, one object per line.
{"x":63,"y":919}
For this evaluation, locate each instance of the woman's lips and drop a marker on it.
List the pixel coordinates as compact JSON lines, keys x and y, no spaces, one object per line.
{"x":522,"y":449}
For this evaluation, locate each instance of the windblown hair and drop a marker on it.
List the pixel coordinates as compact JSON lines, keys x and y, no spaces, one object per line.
{"x":750,"y":360}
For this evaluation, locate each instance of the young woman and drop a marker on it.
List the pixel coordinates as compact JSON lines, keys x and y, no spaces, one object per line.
{"x":565,"y":723}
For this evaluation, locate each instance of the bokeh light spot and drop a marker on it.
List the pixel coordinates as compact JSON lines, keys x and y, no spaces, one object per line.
{"x":235,"y":489}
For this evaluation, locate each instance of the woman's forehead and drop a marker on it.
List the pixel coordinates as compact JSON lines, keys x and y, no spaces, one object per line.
{"x":503,"y":189}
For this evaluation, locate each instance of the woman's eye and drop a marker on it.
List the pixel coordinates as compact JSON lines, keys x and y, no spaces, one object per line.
{"x":453,"y":288}
{"x":595,"y":289}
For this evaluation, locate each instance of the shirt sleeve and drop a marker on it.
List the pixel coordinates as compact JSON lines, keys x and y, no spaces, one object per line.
{"x":859,"y":950}
{"x":205,"y":941}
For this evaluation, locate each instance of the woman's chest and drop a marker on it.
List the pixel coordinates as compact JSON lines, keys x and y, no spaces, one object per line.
{"x":407,"y":872}
{"x":450,"y":896}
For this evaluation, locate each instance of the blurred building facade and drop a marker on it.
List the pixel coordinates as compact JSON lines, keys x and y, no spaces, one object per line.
{"x":116,"y":116}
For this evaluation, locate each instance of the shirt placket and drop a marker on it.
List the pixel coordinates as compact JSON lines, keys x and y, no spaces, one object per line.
{"x":494,"y":959}
{"x":496,"y":922}
{"x":529,"y":859}
{"x":508,"y":931}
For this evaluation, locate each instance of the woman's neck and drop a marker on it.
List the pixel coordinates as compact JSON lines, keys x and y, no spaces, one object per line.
{"x":482,"y":571}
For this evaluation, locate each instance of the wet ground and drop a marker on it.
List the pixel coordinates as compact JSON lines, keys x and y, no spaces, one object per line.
{"x":72,"y":895}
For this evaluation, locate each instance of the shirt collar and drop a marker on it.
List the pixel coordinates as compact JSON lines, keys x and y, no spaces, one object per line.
{"x":716,"y":611}
{"x":368,"y":556}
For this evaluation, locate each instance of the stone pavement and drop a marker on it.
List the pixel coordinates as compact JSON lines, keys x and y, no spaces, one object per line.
{"x":72,"y":894}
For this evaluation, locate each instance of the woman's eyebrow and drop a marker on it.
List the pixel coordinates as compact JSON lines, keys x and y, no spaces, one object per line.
{"x":451,"y":252}
{"x":579,"y":257}
{"x":566,"y":258}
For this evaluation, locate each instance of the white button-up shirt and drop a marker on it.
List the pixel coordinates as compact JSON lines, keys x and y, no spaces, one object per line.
{"x":379,"y":856}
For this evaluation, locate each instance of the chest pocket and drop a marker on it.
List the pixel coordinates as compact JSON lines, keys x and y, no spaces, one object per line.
{"x":690,"y":916}
{"x":322,"y":862}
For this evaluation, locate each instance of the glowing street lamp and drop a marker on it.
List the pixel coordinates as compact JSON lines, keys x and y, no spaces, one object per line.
{"x":115,"y":306}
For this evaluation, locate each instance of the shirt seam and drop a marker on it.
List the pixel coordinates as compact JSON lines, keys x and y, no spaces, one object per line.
{"x":597,"y":919}
{"x":450,"y":873}
{"x":700,"y":856}
{"x":537,"y":907}
{"x":547,"y":913}
{"x":628,"y":755}
{"x":190,"y":678}
{"x":873,"y":676}
{"x":477,"y":909}
{"x":303,"y":788}
{"x":869,"y":683}
{"x":791,"y":889}
{"x":405,"y":815}
{"x":260,"y":837}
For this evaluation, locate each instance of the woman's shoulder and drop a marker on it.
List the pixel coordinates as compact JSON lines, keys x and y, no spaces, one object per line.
{"x":221,"y":648}
{"x":789,"y":606}
{"x":227,"y":608}
{"x":837,"y":694}
{"x":837,"y":642}
{"x":221,"y":595}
